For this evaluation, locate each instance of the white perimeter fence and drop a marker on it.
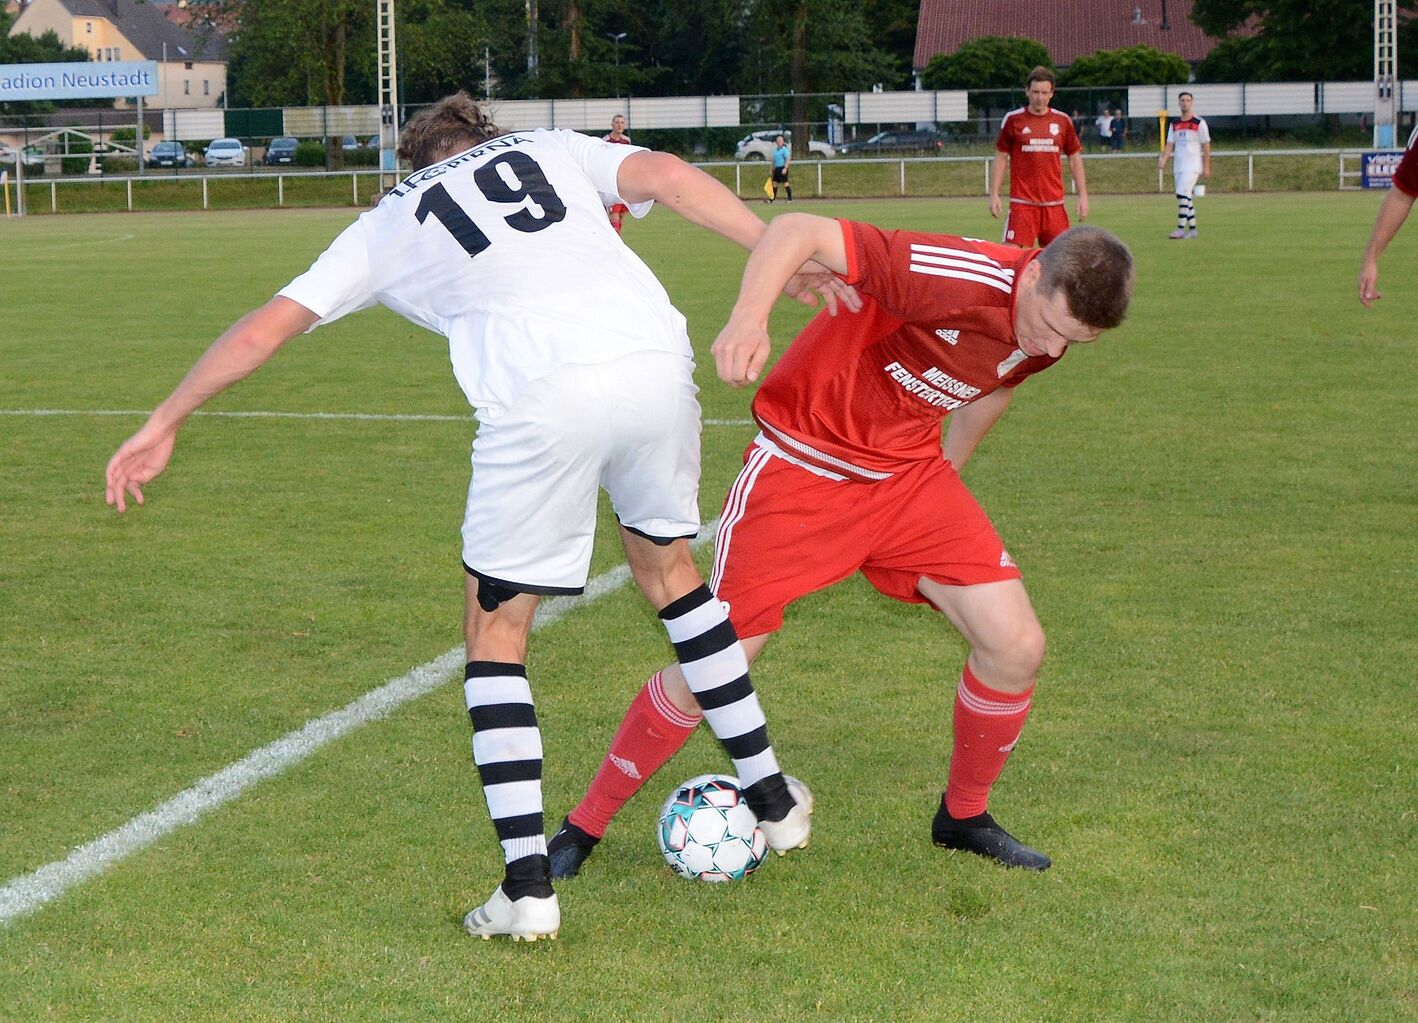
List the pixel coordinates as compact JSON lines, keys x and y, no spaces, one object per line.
{"x":1109,"y":173}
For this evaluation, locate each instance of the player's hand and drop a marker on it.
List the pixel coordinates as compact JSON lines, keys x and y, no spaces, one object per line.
{"x":1206,"y":173}
{"x":140,"y":458}
{"x":1369,"y":284}
{"x":1083,"y":207}
{"x":1161,"y":162}
{"x":808,"y":284}
{"x":740,"y":352}
{"x":994,"y":206}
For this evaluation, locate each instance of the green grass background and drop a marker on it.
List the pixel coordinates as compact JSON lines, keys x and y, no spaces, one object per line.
{"x":1215,"y":508}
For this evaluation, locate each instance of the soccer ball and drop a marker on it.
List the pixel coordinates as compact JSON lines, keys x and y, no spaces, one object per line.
{"x":707,"y":832}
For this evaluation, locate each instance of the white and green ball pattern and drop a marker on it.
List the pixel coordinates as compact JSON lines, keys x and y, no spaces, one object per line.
{"x":708,"y":833}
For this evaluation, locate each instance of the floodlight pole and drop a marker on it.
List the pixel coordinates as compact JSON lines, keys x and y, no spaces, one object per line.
{"x":1385,"y":74}
{"x":616,"y":37}
{"x":388,"y":92}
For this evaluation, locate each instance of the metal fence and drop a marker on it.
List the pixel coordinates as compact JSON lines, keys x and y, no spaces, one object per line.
{"x":1301,"y":114}
{"x":1233,"y":171}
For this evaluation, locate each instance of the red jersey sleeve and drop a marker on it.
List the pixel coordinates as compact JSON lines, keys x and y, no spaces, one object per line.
{"x":1071,"y":144}
{"x":1005,"y":138}
{"x":917,"y":277}
{"x":1405,"y":178}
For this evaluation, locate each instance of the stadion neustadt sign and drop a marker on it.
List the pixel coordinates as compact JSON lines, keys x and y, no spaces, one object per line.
{"x":106,"y":80}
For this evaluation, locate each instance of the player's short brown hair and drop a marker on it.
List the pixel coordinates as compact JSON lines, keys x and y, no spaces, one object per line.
{"x":1041,"y":74}
{"x":1094,"y":270}
{"x":451,"y":125}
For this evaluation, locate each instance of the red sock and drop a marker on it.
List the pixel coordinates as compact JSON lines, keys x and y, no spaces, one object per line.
{"x":987,"y":725}
{"x":653,"y":730}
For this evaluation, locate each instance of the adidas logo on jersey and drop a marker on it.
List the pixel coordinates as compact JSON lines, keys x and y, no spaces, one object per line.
{"x":1005,"y":561}
{"x":627,"y":766}
{"x":950,"y":337}
{"x":1024,"y":130}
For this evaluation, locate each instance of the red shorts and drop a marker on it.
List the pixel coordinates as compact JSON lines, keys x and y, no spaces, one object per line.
{"x":787,"y":531}
{"x":1027,"y":226}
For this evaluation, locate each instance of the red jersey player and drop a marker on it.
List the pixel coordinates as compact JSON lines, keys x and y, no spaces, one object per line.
{"x":1032,"y":139}
{"x":1394,"y":211}
{"x":617,"y":211}
{"x":849,"y":474}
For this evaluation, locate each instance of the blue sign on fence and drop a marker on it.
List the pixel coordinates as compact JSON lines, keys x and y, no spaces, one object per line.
{"x":105,"y":80}
{"x":1378,"y":168}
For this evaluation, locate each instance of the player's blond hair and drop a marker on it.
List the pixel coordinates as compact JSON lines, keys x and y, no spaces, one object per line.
{"x":1094,"y":270}
{"x":451,"y":125}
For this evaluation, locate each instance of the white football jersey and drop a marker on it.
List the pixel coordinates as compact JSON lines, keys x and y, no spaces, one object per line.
{"x":505,"y":249}
{"x":1187,"y":137}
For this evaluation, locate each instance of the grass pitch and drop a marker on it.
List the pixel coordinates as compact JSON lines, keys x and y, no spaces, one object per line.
{"x":1214,"y":508}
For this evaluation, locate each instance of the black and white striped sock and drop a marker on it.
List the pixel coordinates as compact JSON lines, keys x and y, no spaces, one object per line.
{"x":1186,"y":212}
{"x":507,"y":747}
{"x":716,"y":670}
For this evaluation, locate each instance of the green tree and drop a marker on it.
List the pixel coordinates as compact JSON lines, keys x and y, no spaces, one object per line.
{"x":1130,"y":65}
{"x":810,"y":46}
{"x":990,"y":62}
{"x":1293,"y":40}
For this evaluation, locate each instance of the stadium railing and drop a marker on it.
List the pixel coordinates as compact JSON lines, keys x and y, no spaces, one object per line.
{"x":1233,"y":171}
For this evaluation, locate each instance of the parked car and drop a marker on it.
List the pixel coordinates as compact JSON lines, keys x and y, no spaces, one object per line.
{"x":281,"y":150}
{"x":169,"y":154}
{"x":895,"y":142}
{"x":225,"y":153}
{"x":759,"y":146}
{"x":350,"y":143}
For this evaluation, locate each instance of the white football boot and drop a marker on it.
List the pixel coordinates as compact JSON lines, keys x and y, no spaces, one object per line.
{"x":793,"y":831}
{"x":527,"y":919}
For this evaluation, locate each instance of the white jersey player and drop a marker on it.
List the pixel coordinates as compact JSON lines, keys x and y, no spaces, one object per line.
{"x":500,"y":242}
{"x":1190,"y":139}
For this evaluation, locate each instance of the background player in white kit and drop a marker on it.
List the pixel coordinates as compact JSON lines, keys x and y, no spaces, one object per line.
{"x":1191,"y":140}
{"x":500,"y":242}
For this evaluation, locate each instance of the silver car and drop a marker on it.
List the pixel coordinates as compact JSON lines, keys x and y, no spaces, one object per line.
{"x":225,"y":153}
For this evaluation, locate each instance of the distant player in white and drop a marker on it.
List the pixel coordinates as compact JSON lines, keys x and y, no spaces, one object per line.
{"x":1191,"y":140}
{"x":500,"y":242}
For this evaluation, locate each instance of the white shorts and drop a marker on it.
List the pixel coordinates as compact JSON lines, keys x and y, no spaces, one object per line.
{"x":1186,"y":183}
{"x":630,"y":425}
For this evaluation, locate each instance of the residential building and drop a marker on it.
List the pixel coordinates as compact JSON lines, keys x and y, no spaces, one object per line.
{"x":1069,"y":29}
{"x":192,"y":66}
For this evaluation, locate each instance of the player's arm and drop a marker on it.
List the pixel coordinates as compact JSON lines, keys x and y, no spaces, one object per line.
{"x":701,"y":200}
{"x":967,"y":425}
{"x":1206,"y":159}
{"x":1080,"y":182}
{"x":245,"y":346}
{"x":1392,"y":214}
{"x":790,"y":241}
{"x":1166,"y":155}
{"x":997,"y":182}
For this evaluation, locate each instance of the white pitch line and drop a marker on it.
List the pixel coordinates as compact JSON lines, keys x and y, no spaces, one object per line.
{"x":371,"y":416}
{"x":28,"y":892}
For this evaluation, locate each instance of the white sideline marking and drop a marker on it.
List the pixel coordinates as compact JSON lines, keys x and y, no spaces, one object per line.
{"x":28,"y":892}
{"x":373,"y":416}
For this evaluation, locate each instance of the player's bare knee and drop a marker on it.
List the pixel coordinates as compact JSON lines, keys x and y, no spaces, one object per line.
{"x":1011,"y":654}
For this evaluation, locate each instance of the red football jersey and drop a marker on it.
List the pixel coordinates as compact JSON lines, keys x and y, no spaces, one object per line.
{"x":1405,"y":178}
{"x":1035,"y":143}
{"x":624,"y":140}
{"x":863,"y":394}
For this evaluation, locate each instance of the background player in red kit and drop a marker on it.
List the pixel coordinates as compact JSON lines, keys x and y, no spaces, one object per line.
{"x":1032,"y":139}
{"x":849,"y":474}
{"x":617,"y":211}
{"x":1397,"y":205}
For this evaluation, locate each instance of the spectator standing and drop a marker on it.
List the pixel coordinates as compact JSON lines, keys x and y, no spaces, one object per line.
{"x":1119,"y":131}
{"x":1104,"y":123}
